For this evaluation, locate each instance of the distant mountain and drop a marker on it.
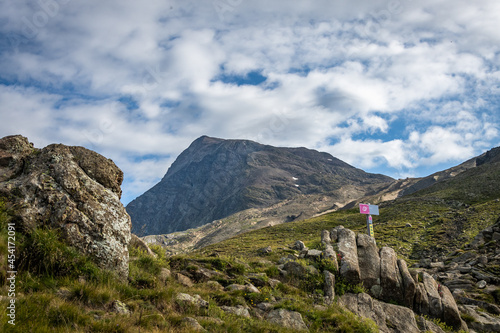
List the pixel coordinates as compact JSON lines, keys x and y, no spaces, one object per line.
{"x":475,"y":180}
{"x":215,"y":178}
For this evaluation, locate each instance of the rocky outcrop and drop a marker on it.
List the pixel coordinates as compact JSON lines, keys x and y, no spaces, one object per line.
{"x":71,"y":189}
{"x":388,"y":279}
{"x":480,"y":320}
{"x":349,"y":265}
{"x":389,"y":318}
{"x":369,"y":263}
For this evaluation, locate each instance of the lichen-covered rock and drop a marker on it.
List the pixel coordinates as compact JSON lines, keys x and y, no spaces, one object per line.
{"x":286,"y":318}
{"x":329,"y":287}
{"x":72,"y":189}
{"x":141,"y":245}
{"x":389,"y":318}
{"x":238,"y":310}
{"x":325,"y":237}
{"x":451,"y":315}
{"x":480,"y":320}
{"x":349,"y":265}
{"x":390,"y":278}
{"x":186,"y":299}
{"x":421,"y":301}
{"x":432,"y":289}
{"x":409,"y":284}
{"x":193,"y":324}
{"x":369,"y":263}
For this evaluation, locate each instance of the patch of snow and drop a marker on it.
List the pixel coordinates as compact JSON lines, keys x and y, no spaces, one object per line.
{"x":297,"y":185}
{"x":295,"y":178}
{"x":330,"y":159}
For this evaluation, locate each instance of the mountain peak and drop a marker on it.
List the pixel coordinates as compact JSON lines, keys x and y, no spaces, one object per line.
{"x":214,"y":178}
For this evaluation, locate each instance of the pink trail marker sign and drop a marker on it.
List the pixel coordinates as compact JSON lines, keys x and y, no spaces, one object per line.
{"x":369,"y":210}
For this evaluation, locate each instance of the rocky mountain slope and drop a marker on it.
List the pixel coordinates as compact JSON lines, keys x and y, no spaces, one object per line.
{"x":216,"y":178}
{"x":72,"y":190}
{"x":474,"y":181}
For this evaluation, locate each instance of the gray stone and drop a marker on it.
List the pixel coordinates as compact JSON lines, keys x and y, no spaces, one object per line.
{"x":141,"y":245}
{"x":295,"y":269}
{"x":325,"y":237}
{"x":329,"y":287}
{"x":431,"y":287}
{"x":482,"y":321}
{"x":388,"y":317}
{"x":286,"y":318}
{"x":184,"y":280}
{"x":409,"y":284}
{"x":195,"y":300}
{"x":428,"y":326}
{"x":334,"y":235}
{"x":193,"y":324}
{"x":451,"y":315}
{"x":214,"y":285}
{"x":164,"y":274}
{"x":299,"y":246}
{"x":459,"y":284}
{"x":265,"y":306}
{"x":438,"y":265}
{"x":312,"y":270}
{"x":314,"y":254}
{"x":390,"y":278}
{"x":485,"y":305}
{"x":369,"y":262}
{"x":349,"y":265}
{"x":258,"y":279}
{"x":421,"y":301}
{"x":329,"y":253}
{"x":238,"y":310}
{"x":73,"y":190}
{"x":250,"y":288}
{"x":120,"y":307}
{"x":265,"y":250}
{"x":482,"y":259}
{"x":273,"y":283}
{"x":481,"y":284}
{"x":236,"y":287}
{"x":284,"y":260}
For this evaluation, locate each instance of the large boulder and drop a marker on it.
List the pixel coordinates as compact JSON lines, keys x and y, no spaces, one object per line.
{"x":409,"y":285}
{"x":451,"y":315}
{"x":389,"y":318}
{"x":432,"y":289}
{"x":286,"y":318}
{"x":349,"y":265}
{"x":390,"y":278}
{"x":71,"y":189}
{"x":369,"y":263}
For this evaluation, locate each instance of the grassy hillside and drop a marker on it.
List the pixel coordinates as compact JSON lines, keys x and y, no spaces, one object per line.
{"x":58,"y":290}
{"x":428,"y":223}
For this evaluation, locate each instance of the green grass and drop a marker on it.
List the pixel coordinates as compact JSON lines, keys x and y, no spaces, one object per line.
{"x":59,"y":290}
{"x":437,"y":227}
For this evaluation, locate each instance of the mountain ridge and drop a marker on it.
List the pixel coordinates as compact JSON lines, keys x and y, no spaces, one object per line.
{"x":215,"y":178}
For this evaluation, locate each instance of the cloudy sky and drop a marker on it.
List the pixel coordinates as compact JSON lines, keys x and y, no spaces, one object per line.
{"x":399,"y":87}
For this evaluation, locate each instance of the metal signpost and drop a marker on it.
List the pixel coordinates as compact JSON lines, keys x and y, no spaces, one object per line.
{"x":369,"y":210}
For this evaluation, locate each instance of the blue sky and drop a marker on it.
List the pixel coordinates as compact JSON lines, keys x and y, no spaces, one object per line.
{"x":399,"y":87}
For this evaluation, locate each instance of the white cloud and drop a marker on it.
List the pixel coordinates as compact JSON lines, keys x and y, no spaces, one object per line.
{"x":398,"y":84}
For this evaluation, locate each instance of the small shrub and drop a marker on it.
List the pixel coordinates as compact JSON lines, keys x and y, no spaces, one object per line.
{"x":468,"y":318}
{"x":272,"y":272}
